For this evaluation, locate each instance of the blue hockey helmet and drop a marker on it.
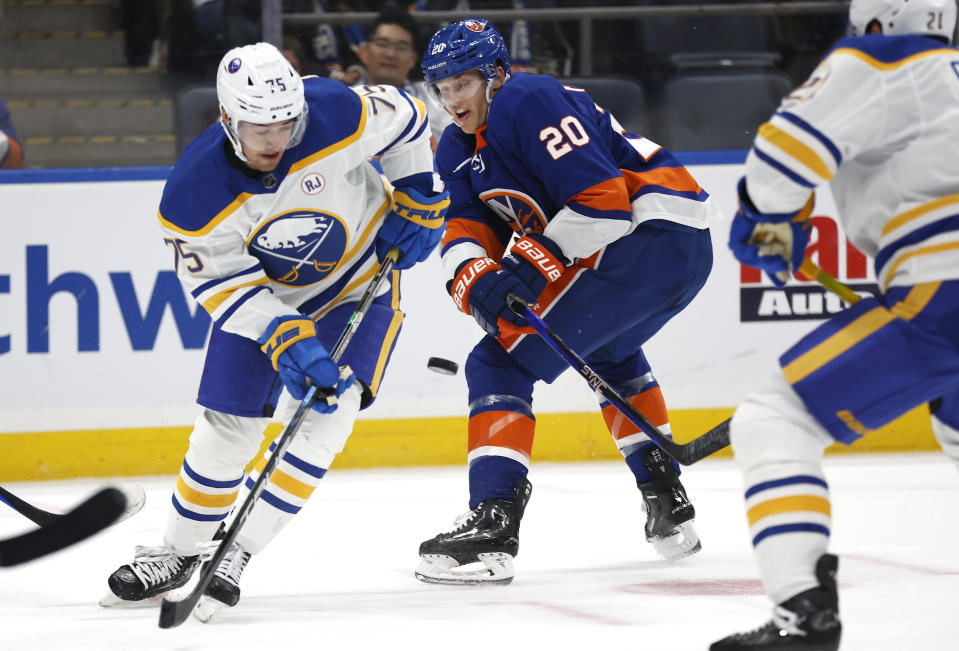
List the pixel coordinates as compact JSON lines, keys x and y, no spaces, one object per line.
{"x":470,"y":44}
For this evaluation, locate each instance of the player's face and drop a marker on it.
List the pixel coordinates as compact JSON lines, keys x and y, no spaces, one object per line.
{"x":389,"y":55}
{"x":264,"y":144}
{"x":464,"y":97}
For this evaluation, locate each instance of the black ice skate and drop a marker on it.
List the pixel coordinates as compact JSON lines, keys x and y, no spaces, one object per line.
{"x":481,"y":548}
{"x":808,"y":621}
{"x":153,"y":572}
{"x":669,"y":513}
{"x":224,"y":588}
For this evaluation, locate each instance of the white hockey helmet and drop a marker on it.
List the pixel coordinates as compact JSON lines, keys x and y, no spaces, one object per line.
{"x":256,"y":85}
{"x":928,"y":17}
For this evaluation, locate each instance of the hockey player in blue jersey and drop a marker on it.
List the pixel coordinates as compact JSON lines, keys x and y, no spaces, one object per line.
{"x":613,"y":241}
{"x":277,"y":221}
{"x":879,"y":118}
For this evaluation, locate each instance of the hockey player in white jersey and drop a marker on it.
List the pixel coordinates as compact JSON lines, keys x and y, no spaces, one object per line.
{"x":277,"y":223}
{"x":879,"y":118}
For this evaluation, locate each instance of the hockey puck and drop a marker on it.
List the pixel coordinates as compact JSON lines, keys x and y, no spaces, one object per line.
{"x":443,"y":366}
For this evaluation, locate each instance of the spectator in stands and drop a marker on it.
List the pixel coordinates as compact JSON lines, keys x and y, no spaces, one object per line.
{"x":391,"y":53}
{"x":294,"y":53}
{"x":11,"y":151}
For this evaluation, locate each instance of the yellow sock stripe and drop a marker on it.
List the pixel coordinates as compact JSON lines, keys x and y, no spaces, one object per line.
{"x":422,"y":214}
{"x":291,"y":485}
{"x":786,"y":504}
{"x":286,"y":334}
{"x":194,"y":496}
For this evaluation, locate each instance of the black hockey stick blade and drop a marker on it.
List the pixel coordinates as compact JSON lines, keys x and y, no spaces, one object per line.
{"x":135,"y":499}
{"x":92,"y":516}
{"x":37,"y":516}
{"x":687,"y":454}
{"x":174,"y":613}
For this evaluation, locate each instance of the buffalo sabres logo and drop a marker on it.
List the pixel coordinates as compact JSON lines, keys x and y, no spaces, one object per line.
{"x":300,"y":247}
{"x":234,"y":65}
{"x":475,"y":25}
{"x":519,"y":210}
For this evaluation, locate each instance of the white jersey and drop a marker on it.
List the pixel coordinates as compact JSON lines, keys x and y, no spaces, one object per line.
{"x":439,"y":118}
{"x":879,"y":117}
{"x":252,"y":246}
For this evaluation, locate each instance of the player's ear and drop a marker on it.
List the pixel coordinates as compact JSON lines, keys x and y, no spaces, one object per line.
{"x":500,"y":78}
{"x":224,"y":117}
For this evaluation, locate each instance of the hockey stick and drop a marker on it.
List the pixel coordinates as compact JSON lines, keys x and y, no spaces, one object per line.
{"x":689,"y":453}
{"x":174,"y":613}
{"x":92,"y":516}
{"x":813,"y":271}
{"x":134,"y":500}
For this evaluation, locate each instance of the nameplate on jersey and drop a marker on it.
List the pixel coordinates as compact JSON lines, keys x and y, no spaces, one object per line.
{"x":300,"y":247}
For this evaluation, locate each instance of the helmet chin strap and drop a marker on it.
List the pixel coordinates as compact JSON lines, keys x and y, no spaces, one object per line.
{"x":233,"y":138}
{"x":489,"y":87}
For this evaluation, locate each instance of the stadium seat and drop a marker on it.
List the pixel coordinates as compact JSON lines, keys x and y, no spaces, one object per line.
{"x":196,"y":108}
{"x":681,"y":43}
{"x":719,"y":110}
{"x":622,"y":96}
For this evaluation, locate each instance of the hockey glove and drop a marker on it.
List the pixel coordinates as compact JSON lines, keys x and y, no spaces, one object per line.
{"x":773,"y":242}
{"x":414,"y":226}
{"x":301,"y":360}
{"x":480,"y":288}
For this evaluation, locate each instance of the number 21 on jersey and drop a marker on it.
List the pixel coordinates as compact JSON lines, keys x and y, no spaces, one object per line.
{"x":558,"y":139}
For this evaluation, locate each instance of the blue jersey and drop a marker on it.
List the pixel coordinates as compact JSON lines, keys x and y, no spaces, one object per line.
{"x":551,"y":161}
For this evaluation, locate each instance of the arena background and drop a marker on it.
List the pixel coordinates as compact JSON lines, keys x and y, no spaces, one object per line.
{"x":100,"y":350}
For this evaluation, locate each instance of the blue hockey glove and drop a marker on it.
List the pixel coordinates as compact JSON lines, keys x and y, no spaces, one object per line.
{"x":480,"y":288}
{"x":301,"y":360}
{"x":773,"y":242}
{"x":414,"y":226}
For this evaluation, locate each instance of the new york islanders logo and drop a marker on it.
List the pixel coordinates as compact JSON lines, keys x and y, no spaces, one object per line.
{"x":519,"y":210}
{"x":300,"y":247}
{"x":475,"y":25}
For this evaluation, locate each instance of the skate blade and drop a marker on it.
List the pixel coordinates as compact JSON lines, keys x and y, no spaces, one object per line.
{"x":685,"y":542}
{"x":494,"y":568}
{"x":207,"y":607}
{"x":110,"y":600}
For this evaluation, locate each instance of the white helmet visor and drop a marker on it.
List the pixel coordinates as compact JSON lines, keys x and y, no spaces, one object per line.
{"x":271,"y":138}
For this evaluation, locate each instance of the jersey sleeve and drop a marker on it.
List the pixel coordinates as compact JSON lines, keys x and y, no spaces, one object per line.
{"x":835,"y":115}
{"x":212,"y":261}
{"x":561,"y":141}
{"x":471,"y":232}
{"x":397,"y":131}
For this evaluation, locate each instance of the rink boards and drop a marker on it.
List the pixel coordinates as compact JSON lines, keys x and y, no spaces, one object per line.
{"x":101,"y":350}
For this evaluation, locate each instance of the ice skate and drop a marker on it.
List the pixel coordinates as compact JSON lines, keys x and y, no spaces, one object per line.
{"x":808,"y":621}
{"x":669,"y":513}
{"x":224,"y":588}
{"x":480,"y":550}
{"x":153,"y":572}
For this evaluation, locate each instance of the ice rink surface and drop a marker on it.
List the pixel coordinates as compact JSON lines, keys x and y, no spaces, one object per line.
{"x":341,"y":575}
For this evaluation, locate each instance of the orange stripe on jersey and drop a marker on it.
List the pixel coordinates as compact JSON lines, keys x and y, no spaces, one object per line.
{"x":14,"y":159}
{"x":649,"y":403}
{"x":673,"y":178}
{"x":503,"y":429}
{"x":611,"y":194}
{"x":466,"y":228}
{"x":480,"y":138}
